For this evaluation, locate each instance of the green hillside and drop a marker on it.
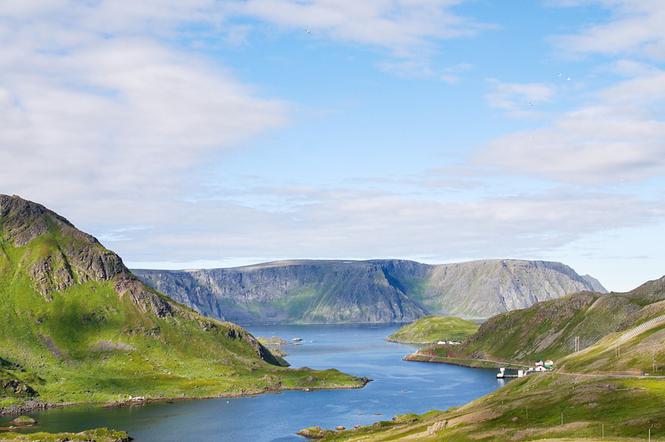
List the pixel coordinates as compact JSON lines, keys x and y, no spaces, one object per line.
{"x":612,"y":390}
{"x":435,"y":328}
{"x":638,"y":349}
{"x":549,"y":407}
{"x":76,"y":326}
{"x":550,"y":329}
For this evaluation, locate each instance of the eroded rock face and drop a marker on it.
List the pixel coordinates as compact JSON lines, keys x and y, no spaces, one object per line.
{"x":51,"y":273}
{"x":22,"y":221}
{"x":146,"y":300}
{"x":377,"y":291}
{"x":71,"y":256}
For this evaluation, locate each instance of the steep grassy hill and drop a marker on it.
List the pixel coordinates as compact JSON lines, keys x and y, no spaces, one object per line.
{"x":435,"y":328}
{"x":637,"y":347}
{"x":549,"y":330}
{"x":375,"y":291}
{"x":77,"y":326}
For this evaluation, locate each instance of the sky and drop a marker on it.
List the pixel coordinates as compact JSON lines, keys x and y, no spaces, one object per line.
{"x":204,"y":133}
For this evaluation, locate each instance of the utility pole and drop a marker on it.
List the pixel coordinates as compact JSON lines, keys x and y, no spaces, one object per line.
{"x":602,"y":431}
{"x":562,"y":418}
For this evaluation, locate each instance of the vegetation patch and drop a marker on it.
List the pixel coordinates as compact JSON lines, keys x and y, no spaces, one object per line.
{"x":431,"y":329}
{"x":97,"y":435}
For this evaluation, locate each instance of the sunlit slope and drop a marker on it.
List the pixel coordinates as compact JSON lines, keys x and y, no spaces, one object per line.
{"x":554,"y":329}
{"x":612,"y":390}
{"x":77,"y":326}
{"x":435,"y":328}
{"x":638,"y":347}
{"x":549,"y":407}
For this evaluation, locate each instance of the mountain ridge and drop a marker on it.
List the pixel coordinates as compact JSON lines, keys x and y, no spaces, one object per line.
{"x":374,"y":291}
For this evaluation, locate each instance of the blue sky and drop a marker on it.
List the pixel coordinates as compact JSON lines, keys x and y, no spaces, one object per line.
{"x":215,"y":133}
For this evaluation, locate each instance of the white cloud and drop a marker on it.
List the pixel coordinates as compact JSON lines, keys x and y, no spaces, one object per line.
{"x":619,"y":135}
{"x":402,"y":26}
{"x":518,"y":99}
{"x":453,"y":74}
{"x":343,"y":223}
{"x":637,"y":26}
{"x":93,"y":105}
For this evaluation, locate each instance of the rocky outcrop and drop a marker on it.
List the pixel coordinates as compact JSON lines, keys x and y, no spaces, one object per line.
{"x":13,"y":387}
{"x":69,"y":256}
{"x":376,"y":291}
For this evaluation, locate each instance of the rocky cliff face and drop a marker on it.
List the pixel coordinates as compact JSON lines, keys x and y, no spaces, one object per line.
{"x":376,"y":291}
{"x":67,"y":256}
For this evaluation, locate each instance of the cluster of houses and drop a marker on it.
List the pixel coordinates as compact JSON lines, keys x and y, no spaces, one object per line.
{"x":539,"y":366}
{"x":448,"y":343}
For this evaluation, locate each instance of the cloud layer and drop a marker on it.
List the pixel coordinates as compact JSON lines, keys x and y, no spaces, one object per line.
{"x":93,"y":106}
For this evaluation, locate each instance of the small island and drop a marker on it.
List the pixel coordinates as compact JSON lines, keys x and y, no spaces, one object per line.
{"x":434,"y":329}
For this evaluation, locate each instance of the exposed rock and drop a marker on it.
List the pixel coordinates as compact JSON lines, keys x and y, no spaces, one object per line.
{"x":51,"y":274}
{"x":23,"y":421}
{"x":113,"y":346}
{"x":145,"y":299}
{"x":314,"y":432}
{"x":16,"y":388}
{"x":375,"y":291}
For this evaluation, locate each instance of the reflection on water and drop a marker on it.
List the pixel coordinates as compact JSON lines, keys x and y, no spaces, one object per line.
{"x":398,"y":387}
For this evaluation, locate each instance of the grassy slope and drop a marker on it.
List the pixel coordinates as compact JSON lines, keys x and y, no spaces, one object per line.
{"x":88,"y":344}
{"x":434,"y":328}
{"x":98,"y":435}
{"x":531,"y":408}
{"x":547,"y":330}
{"x":586,"y":392}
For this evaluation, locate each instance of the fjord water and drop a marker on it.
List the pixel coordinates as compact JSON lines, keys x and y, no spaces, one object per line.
{"x":398,"y":387}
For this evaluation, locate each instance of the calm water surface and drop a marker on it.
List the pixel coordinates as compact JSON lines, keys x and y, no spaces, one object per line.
{"x":398,"y":387}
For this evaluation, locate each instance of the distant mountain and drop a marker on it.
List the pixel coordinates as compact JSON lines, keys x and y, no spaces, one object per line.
{"x":77,"y":326}
{"x":375,"y":291}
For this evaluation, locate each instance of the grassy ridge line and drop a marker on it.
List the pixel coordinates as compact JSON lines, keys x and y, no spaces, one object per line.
{"x":435,"y":328}
{"x":549,"y":330}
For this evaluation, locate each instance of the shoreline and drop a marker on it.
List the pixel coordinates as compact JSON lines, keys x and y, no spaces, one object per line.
{"x":33,"y":406}
{"x":463,"y":362}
